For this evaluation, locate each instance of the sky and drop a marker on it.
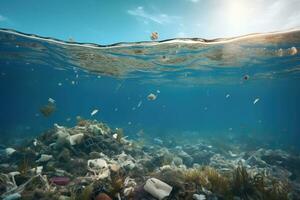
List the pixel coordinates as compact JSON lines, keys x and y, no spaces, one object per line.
{"x":112,"y":21}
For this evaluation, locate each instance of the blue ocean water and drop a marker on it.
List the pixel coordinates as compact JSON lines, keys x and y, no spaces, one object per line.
{"x":203,"y":88}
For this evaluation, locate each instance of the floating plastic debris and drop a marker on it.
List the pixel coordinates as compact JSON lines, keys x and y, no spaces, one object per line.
{"x":227,"y":96}
{"x":50,"y":100}
{"x":94,"y":112}
{"x":48,"y":109}
{"x":154,"y":36}
{"x":139,"y":104}
{"x":151,"y":97}
{"x":293,"y":51}
{"x":280,"y":52}
{"x":256,"y":100}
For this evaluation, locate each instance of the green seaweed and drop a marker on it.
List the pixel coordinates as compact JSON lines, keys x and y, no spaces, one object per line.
{"x":86,"y":193}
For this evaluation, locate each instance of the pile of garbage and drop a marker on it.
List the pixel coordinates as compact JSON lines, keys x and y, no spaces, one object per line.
{"x":93,"y":161}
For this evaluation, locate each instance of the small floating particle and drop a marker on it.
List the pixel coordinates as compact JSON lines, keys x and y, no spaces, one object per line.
{"x":227,"y":96}
{"x":133,"y":108}
{"x":77,"y":75}
{"x":115,"y":135}
{"x":151,"y":97}
{"x":205,"y":108}
{"x":68,"y":119}
{"x":59,"y":84}
{"x":293,"y":51}
{"x":157,"y":91}
{"x":116,"y":109}
{"x":280,"y":52}
{"x":246,"y":77}
{"x":154,"y":36}
{"x":139,"y":104}
{"x":129,"y":123}
{"x":94,"y":112}
{"x":230,"y":129}
{"x":73,"y":82}
{"x":3,"y":74}
{"x":50,"y":100}
{"x":256,"y":100}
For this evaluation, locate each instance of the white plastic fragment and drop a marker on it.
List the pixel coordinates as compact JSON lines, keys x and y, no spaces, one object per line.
{"x":37,"y":170}
{"x":139,"y":104}
{"x":50,"y":100}
{"x":99,"y":167}
{"x":44,"y":158}
{"x":35,"y":142}
{"x":13,"y":196}
{"x":115,"y":135}
{"x":293,"y":51}
{"x":76,"y":139}
{"x":255,"y":101}
{"x":157,"y":188}
{"x":151,"y":97}
{"x":199,"y":197}
{"x":9,"y":151}
{"x":94,"y":112}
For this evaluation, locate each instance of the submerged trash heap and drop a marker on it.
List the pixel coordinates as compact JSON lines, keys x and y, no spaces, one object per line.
{"x":93,"y":161}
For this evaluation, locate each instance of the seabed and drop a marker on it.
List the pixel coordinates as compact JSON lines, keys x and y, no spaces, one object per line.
{"x":94,"y":161}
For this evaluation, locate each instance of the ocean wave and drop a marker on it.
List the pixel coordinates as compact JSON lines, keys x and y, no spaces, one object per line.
{"x":193,"y":60}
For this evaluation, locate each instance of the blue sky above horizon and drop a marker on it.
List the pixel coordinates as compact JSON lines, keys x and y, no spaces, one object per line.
{"x":111,"y":21}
